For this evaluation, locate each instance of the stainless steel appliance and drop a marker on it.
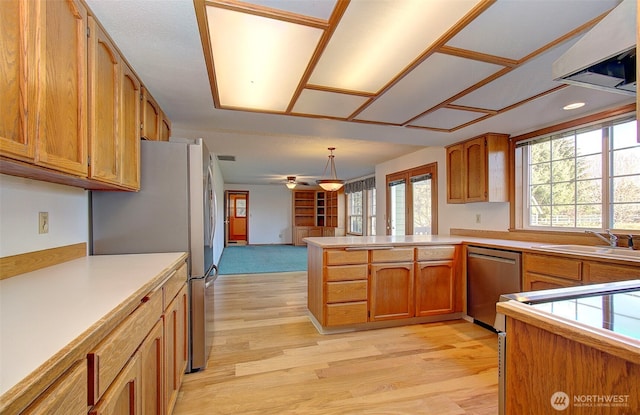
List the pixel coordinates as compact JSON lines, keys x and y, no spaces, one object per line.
{"x":174,"y":211}
{"x":611,"y":306}
{"x":490,"y":273}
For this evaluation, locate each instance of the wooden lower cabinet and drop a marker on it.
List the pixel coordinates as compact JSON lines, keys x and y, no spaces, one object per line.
{"x":435,"y":286}
{"x":542,"y":272}
{"x":391,"y":291}
{"x":68,"y":395}
{"x":152,"y":367}
{"x":176,"y":346}
{"x":540,"y":363}
{"x":360,"y":285}
{"x":124,"y":395}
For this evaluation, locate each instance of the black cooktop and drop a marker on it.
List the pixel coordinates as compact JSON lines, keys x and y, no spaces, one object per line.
{"x":618,"y":312}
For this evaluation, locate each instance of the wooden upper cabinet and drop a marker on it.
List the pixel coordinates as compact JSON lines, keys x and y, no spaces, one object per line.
{"x":477,"y":170}
{"x":130,"y":92}
{"x":17,"y":59}
{"x":62,"y":86}
{"x":151,"y":115}
{"x":104,"y":78}
{"x":455,"y":176}
{"x":165,"y":127}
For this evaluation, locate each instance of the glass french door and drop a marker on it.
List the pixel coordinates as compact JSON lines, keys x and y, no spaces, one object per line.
{"x":412,"y":201}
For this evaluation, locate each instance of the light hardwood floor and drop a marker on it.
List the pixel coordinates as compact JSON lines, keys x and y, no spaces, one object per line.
{"x":267,"y":358}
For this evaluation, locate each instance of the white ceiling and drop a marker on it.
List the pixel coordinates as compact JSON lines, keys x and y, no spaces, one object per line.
{"x":161,"y":41}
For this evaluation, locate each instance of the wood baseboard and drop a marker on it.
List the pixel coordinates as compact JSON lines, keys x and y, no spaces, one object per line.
{"x":13,"y":265}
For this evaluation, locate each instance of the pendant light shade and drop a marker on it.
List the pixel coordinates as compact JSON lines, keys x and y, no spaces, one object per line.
{"x":330,"y":182}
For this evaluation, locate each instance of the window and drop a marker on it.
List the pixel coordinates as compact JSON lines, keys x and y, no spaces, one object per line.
{"x":583,"y":179}
{"x":354,"y":216}
{"x":361,"y":208}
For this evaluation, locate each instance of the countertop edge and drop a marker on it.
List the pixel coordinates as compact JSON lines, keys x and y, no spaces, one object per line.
{"x":606,"y":341}
{"x":20,"y":395}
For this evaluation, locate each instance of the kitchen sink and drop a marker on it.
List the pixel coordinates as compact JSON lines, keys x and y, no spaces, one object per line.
{"x":604,"y":251}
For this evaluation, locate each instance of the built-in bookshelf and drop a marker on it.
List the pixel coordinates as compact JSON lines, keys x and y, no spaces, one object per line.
{"x":315,"y":213}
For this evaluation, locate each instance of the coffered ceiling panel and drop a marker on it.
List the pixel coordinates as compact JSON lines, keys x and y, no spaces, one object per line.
{"x":518,"y":85}
{"x":376,"y":40}
{"x":327,"y":103}
{"x":438,"y":78}
{"x":258,"y":72}
{"x":447,"y":118}
{"x":505,"y":28}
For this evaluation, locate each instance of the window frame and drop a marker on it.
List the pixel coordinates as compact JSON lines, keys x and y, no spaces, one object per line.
{"x":520,"y":213}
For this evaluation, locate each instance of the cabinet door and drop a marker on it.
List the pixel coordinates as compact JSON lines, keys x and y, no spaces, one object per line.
{"x":62,"y":87}
{"x":435,"y":288}
{"x":475,"y":189}
{"x":152,"y":370}
{"x":68,"y":395}
{"x":129,"y":128}
{"x":150,"y":117}
{"x":455,"y":174}
{"x":175,"y":347}
{"x":17,"y":66}
{"x":391,"y":291}
{"x":165,"y":127}
{"x":104,"y":79}
{"x":123,"y":395}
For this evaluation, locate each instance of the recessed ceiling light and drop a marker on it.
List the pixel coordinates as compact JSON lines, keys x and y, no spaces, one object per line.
{"x":573,"y":106}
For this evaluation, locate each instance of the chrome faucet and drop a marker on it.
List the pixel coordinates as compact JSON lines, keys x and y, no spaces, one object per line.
{"x":612,"y":241}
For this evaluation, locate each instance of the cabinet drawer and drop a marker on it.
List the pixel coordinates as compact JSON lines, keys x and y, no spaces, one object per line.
{"x":342,"y":257}
{"x":173,"y":285}
{"x":343,"y":291}
{"x":554,"y":266}
{"x":346,"y":313}
{"x":596,"y":273}
{"x":346,"y":272}
{"x":392,"y":255}
{"x":110,"y":356}
{"x":435,"y":253}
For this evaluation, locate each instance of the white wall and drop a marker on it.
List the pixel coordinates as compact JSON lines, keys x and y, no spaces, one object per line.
{"x":22,"y":199}
{"x":269,"y":213}
{"x":493,"y":216}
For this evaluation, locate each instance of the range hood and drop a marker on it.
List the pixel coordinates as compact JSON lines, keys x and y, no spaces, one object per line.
{"x":605,"y":57}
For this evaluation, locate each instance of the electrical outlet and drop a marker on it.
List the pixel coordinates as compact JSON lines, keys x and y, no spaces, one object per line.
{"x":478,"y":218}
{"x":43,"y":222}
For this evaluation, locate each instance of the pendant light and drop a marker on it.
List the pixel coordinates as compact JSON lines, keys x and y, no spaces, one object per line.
{"x":332,"y":183}
{"x":291,"y":182}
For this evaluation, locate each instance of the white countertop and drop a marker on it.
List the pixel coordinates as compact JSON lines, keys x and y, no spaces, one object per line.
{"x":43,"y":311}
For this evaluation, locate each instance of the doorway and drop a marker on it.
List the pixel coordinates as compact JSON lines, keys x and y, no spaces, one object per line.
{"x":236,"y":217}
{"x":412,"y":201}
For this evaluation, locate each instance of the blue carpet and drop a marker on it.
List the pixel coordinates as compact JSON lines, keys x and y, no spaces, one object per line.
{"x":258,"y":259}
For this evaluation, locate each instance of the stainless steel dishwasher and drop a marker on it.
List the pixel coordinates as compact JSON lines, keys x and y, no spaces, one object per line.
{"x":490,"y":273}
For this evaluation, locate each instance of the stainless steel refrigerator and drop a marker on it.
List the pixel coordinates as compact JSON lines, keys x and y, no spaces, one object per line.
{"x":174,"y":211}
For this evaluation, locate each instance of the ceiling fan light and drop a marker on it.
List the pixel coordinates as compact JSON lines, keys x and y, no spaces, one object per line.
{"x":291,"y":182}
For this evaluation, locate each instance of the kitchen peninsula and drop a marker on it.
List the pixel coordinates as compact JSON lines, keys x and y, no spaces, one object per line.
{"x":365,"y":282}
